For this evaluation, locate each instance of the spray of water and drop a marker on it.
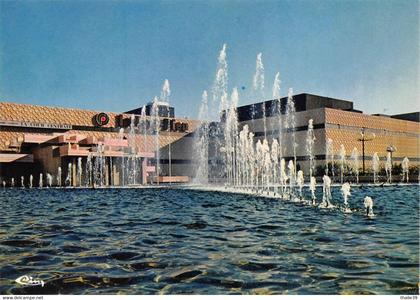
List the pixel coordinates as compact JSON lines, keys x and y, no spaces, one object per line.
{"x":388,"y":167}
{"x":342,"y":162}
{"x":405,"y":169}
{"x":310,"y":142}
{"x":41,"y":182}
{"x":375,"y":167}
{"x":202,"y":143}
{"x":368,"y":202}
{"x":329,"y":157}
{"x":355,"y":163}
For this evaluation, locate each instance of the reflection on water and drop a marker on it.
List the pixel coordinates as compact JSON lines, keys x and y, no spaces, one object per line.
{"x":169,"y":241}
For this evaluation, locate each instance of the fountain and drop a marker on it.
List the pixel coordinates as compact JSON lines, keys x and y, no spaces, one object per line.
{"x":41,"y":182}
{"x":4,"y":184}
{"x":202,"y":143}
{"x":345,"y":190}
{"x":166,"y":92}
{"x":276,"y":95}
{"x":368,"y":202}
{"x":329,"y":157}
{"x":59,"y":177}
{"x":22,"y":181}
{"x":405,"y":169}
{"x":156,"y":128}
{"x":312,"y":188}
{"x":31,"y":179}
{"x":375,"y":167}
{"x":132,"y":157}
{"x":290,"y":124}
{"x":355,"y":163}
{"x":79,"y":171}
{"x":300,"y":181}
{"x":67,"y":182}
{"x":123,"y":166}
{"x":326,"y":193}
{"x":49,"y":180}
{"x":292,"y":179}
{"x":12,"y":182}
{"x":388,"y":168}
{"x":342,"y":162}
{"x":258,"y":85}
{"x":310,"y":141}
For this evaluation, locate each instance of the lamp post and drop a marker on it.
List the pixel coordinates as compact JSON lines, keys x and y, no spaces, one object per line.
{"x":364,"y":139}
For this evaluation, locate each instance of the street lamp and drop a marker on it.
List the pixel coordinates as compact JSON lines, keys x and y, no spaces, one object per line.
{"x":364,"y":139}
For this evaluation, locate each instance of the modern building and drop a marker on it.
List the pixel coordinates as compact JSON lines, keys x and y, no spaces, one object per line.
{"x":84,"y":147}
{"x":71,"y":143}
{"x":338,"y":121}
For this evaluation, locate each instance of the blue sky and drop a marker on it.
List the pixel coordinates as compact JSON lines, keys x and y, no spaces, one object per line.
{"x":115,"y":55}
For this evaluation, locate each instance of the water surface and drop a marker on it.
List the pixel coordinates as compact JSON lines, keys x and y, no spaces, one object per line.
{"x":171,"y":241}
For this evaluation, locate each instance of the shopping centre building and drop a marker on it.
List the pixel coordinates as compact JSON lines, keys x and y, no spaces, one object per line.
{"x":70,"y":143}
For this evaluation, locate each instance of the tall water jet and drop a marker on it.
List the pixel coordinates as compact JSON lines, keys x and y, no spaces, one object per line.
{"x":4,"y":184}
{"x":12,"y":182}
{"x":231,"y":136}
{"x":283,"y":177}
{"x":22,"y":181}
{"x":329,"y":147}
{"x":312,"y":188}
{"x":220,"y":85}
{"x":59,"y":177}
{"x":79,"y":171}
{"x":355,"y":163}
{"x":41,"y":182}
{"x":276,"y":96}
{"x":217,"y":108}
{"x":292,"y":179}
{"x":388,"y":167}
{"x":326,"y":192}
{"x":202,"y":143}
{"x":142,"y":126}
{"x":88,"y":171}
{"x":368,"y":203}
{"x":290,"y":124}
{"x":31,"y":180}
{"x":258,"y":85}
{"x":300,"y":181}
{"x":123,"y":166}
{"x":166,"y":92}
{"x":49,"y":180}
{"x":275,"y":163}
{"x":375,"y":166}
{"x":342,"y":162}
{"x":345,"y":190}
{"x":405,"y":169}
{"x":68,"y":178}
{"x":310,"y":142}
{"x":156,"y":129}
{"x":132,"y":157}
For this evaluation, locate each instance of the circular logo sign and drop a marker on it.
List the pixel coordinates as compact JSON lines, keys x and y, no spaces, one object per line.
{"x":101,"y":119}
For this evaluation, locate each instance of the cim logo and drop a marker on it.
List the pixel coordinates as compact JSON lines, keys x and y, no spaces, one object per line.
{"x":101,"y":119}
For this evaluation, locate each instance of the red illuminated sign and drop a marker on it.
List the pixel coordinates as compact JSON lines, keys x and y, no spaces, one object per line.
{"x":101,"y":119}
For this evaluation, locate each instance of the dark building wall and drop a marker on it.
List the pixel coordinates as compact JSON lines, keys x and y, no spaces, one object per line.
{"x":163,"y":111}
{"x":414,"y":116}
{"x":303,"y":102}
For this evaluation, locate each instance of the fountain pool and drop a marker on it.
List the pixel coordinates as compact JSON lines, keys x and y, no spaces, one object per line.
{"x":184,"y":241}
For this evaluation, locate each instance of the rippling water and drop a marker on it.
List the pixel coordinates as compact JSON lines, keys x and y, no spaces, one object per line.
{"x":172,"y":241}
